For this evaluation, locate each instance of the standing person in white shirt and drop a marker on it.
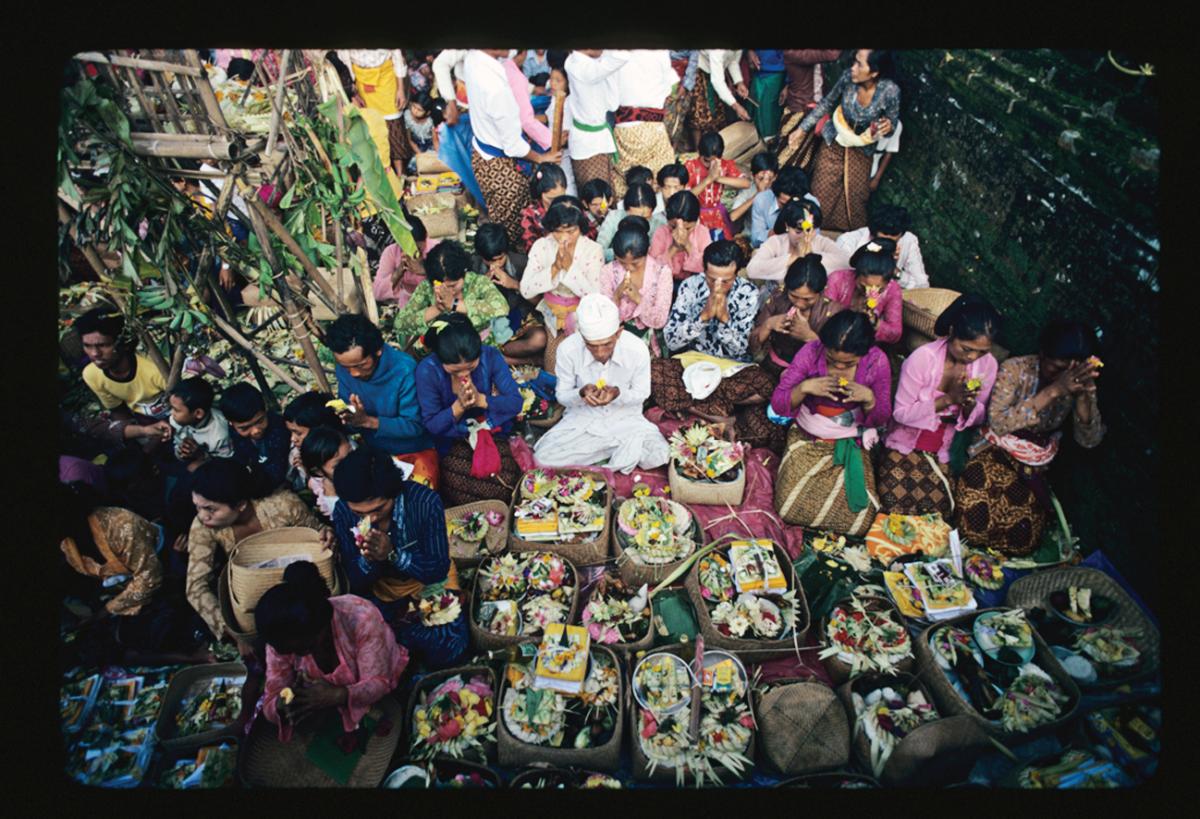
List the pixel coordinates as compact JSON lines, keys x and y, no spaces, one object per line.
{"x":711,"y":89}
{"x":454,"y":134}
{"x":497,"y":141}
{"x":603,"y":380}
{"x":891,"y":222}
{"x":379,"y":77}
{"x":592,"y":74}
{"x":643,"y":85}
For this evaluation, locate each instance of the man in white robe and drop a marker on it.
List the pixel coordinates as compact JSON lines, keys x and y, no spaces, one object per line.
{"x":603,"y":380}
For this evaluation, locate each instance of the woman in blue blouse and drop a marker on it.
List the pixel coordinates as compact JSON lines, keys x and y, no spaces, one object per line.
{"x":461,"y":387}
{"x":402,"y":558}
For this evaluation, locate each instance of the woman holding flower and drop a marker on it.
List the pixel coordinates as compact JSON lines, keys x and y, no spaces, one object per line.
{"x":323,"y":652}
{"x":1002,"y":495}
{"x":639,"y":284}
{"x":564,"y":266}
{"x":838,"y":388}
{"x":391,"y":535}
{"x":871,"y":288}
{"x":943,"y":393}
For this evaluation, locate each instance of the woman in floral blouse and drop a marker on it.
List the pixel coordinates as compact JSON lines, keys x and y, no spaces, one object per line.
{"x":1003,"y":498}
{"x":564,"y":266}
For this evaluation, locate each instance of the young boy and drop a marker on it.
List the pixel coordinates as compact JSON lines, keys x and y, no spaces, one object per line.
{"x":708,"y":176}
{"x":262,"y":437}
{"x":201,"y":432}
{"x":597,"y":198}
{"x":671,"y":180}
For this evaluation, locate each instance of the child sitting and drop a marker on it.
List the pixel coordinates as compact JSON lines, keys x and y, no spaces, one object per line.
{"x":671,"y":180}
{"x":758,"y":200}
{"x":597,"y":197}
{"x":708,"y":176}
{"x":200,"y":431}
{"x":304,"y":414}
{"x":262,"y":436}
{"x":548,"y":183}
{"x":422,"y":135}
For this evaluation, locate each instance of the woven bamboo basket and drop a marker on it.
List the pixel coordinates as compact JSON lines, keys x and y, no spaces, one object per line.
{"x":484,"y":640}
{"x":640,"y":762}
{"x":607,"y":757}
{"x":950,"y":704}
{"x":165,"y":729}
{"x":624,"y":650}
{"x":1034,"y":590}
{"x":234,"y":616}
{"x":247,"y":585}
{"x":466,"y":555}
{"x":803,"y":727}
{"x":686,"y":490}
{"x":933,"y":754}
{"x":447,"y":766}
{"x":923,"y":305}
{"x":840,"y":671}
{"x":550,"y":420}
{"x":753,"y":648}
{"x":585,"y":552}
{"x":432,"y":681}
{"x":636,"y":573}
{"x":438,"y":225}
{"x":265,"y":762}
{"x":555,"y":775}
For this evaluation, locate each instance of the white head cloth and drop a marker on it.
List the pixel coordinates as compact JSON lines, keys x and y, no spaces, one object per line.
{"x":597,"y":317}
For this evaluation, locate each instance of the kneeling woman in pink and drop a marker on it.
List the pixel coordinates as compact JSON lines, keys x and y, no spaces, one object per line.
{"x":639,"y":284}
{"x":871,"y":288}
{"x":332,"y":652}
{"x":943,"y":393}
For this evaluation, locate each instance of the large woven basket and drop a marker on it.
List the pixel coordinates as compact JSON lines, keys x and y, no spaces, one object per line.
{"x":443,"y":223}
{"x":840,"y":671}
{"x":686,"y":490}
{"x":550,"y":420}
{"x":432,"y":681}
{"x":933,"y":754}
{"x":484,"y":640}
{"x":233,"y":616}
{"x":181,"y":685}
{"x":607,"y":757}
{"x":950,"y":704}
{"x":247,"y":585}
{"x":466,"y":555}
{"x":587,"y":552}
{"x":803,"y":727}
{"x":635,"y":573}
{"x":923,"y":305}
{"x":447,"y":766}
{"x":742,"y":144}
{"x":1034,"y":590}
{"x":265,"y":762}
{"x":753,"y":649}
{"x":624,"y":650}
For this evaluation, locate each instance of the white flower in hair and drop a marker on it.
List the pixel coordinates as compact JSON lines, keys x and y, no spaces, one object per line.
{"x":874,"y":248}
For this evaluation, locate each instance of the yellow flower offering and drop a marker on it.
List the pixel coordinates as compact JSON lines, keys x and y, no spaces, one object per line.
{"x":338,"y":405}
{"x":437,"y":283}
{"x":843,"y":383}
{"x":287,"y":695}
{"x":806,"y":225}
{"x":1095,"y":361}
{"x":974,"y":384}
{"x":600,"y":382}
{"x":872,"y":303}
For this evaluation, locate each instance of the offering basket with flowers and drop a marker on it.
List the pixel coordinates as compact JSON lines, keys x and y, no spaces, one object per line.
{"x":706,"y":467}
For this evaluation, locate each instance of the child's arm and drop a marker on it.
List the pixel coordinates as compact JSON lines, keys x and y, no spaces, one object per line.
{"x":878,"y":177}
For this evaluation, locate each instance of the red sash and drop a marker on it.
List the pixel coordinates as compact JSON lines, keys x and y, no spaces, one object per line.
{"x":627,"y":113}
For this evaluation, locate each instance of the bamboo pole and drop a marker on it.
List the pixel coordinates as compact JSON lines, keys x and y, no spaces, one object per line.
{"x":151,"y":117}
{"x":204,"y":89}
{"x":245,"y":344}
{"x":364,"y":276}
{"x":556,"y":131}
{"x":168,"y":97}
{"x":198,"y":146}
{"x":137,"y":62}
{"x":277,"y":107}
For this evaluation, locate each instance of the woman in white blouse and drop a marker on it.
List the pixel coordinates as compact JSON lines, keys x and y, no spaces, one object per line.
{"x":564,"y":265}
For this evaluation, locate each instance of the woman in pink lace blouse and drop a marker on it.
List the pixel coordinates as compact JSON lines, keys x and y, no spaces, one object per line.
{"x":639,"y":284}
{"x":871,"y":288}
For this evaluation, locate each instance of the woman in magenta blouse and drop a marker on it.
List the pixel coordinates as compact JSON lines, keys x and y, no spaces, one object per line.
{"x":943,"y":393}
{"x":638,"y":283}
{"x":871,"y":288}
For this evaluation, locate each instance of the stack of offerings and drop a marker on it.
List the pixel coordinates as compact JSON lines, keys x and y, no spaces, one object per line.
{"x":110,"y":723}
{"x":516,"y":596}
{"x":565,"y":512}
{"x":201,"y":706}
{"x":706,"y":467}
{"x":653,"y":536}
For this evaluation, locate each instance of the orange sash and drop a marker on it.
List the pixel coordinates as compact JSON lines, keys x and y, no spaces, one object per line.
{"x":391,"y":589}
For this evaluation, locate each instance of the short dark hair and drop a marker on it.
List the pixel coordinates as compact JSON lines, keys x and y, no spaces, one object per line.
{"x":968,"y":317}
{"x":367,"y":473}
{"x":354,"y":330}
{"x":882,"y":262}
{"x":557,"y":57}
{"x":848,"y":331}
{"x":422,"y":99}
{"x":890,"y":219}
{"x":791,"y":180}
{"x":541,"y":78}
{"x":309,"y":411}
{"x":491,"y":240}
{"x":564,"y":211}
{"x":319,"y":446}
{"x":1069,"y":340}
{"x":722,"y":253}
{"x":241,"y":402}
{"x":638,"y":175}
{"x":295,"y":611}
{"x":595,"y":188}
{"x":683,"y":205}
{"x":447,"y":262}
{"x":106,"y":320}
{"x":639,"y":195}
{"x":765,"y":161}
{"x":882,"y":60}
{"x":632,"y":238}
{"x":672,"y":170}
{"x":711,"y":144}
{"x":456,"y":342}
{"x":546,"y":177}
{"x":792,"y":214}
{"x":807,"y":271}
{"x":224,"y":480}
{"x":195,"y":393}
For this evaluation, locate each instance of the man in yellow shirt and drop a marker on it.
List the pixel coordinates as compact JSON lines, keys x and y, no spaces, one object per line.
{"x":128,"y":385}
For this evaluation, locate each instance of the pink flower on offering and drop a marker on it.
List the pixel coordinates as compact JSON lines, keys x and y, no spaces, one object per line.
{"x":649,"y":725}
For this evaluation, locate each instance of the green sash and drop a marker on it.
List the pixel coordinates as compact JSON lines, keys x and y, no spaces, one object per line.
{"x":593,"y":129}
{"x":847,"y":456}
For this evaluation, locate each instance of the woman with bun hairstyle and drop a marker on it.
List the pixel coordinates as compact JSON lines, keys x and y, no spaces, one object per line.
{"x":793,"y":315}
{"x":564,"y":266}
{"x":391,"y":536}
{"x":323,"y":652}
{"x":232,"y":503}
{"x":942,"y":395}
{"x":871,"y":288}
{"x":547,"y":184}
{"x":639,"y":284}
{"x":464,"y":381}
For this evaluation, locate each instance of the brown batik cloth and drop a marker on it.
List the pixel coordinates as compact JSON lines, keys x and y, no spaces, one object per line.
{"x":702,"y":116}
{"x":642,"y":143}
{"x":834,"y":164}
{"x":668,"y":392}
{"x":594,"y":167}
{"x":505,"y":192}
{"x":996,"y":508}
{"x":913,"y":485}
{"x":457,"y":484}
{"x":398,"y":145}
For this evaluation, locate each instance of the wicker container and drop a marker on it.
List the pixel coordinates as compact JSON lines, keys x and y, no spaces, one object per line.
{"x":742,"y":144}
{"x":181,"y":685}
{"x":840,"y":671}
{"x":448,"y":766}
{"x":1034,"y":590}
{"x":466,"y":555}
{"x":686,"y":490}
{"x":950,"y":704}
{"x":585,"y":552}
{"x":923,"y":305}
{"x":265,"y":762}
{"x":440,"y":224}
{"x":234,"y":616}
{"x":483,"y":639}
{"x":428,"y":163}
{"x":803,"y":727}
{"x":432,"y":681}
{"x":556,"y":775}
{"x":550,"y":420}
{"x":625,"y":650}
{"x":607,"y":757}
{"x":635,"y":573}
{"x":755,"y":649}
{"x":933,"y":754}
{"x":247,"y":585}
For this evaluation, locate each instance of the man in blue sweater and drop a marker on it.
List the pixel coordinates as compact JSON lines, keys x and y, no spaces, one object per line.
{"x":378,"y":383}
